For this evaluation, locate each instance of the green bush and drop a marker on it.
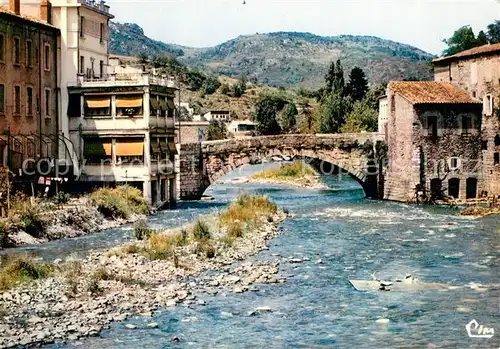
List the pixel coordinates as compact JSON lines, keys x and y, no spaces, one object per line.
{"x":19,"y":269}
{"x":61,"y":198}
{"x":29,"y":216}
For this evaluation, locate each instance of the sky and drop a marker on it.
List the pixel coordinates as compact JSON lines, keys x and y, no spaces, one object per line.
{"x":202,"y":23}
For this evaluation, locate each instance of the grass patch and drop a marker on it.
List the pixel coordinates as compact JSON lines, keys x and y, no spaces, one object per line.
{"x":20,"y":269}
{"x":200,"y":230}
{"x":142,"y":231}
{"x":163,"y":246}
{"x":119,"y":202}
{"x":205,"y":248}
{"x":296,"y":170}
{"x":27,"y":215}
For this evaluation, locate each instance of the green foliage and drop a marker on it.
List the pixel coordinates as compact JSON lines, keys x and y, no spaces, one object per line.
{"x":288,"y":117}
{"x":494,"y":32}
{"x":19,"y":269}
{"x":481,"y":39}
{"x":195,"y":79}
{"x":361,"y":118}
{"x":334,"y":79}
{"x":239,"y":89}
{"x":247,"y":209}
{"x":143,"y":58}
{"x":374,"y":94}
{"x":216,"y":130}
{"x":119,"y":202}
{"x":200,"y":230}
{"x":358,"y":84}
{"x":297,"y":169}
{"x":28,"y":214}
{"x":463,"y":39}
{"x":162,"y":246}
{"x":210,"y":85}
{"x":265,"y":116}
{"x":61,"y":198}
{"x":141,"y":230}
{"x":332,"y":111}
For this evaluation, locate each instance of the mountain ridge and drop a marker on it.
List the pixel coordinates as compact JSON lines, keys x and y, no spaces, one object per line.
{"x":285,"y":58}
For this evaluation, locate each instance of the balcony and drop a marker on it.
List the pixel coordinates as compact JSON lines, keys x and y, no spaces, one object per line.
{"x":96,"y":4}
{"x":118,"y":80}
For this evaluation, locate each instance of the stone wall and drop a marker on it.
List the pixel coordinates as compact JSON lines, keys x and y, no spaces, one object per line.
{"x":192,"y":180}
{"x":479,"y":76}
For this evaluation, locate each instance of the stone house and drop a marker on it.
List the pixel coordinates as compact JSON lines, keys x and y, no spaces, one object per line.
{"x":218,"y":115}
{"x":433,"y":133}
{"x":476,"y":71}
{"x":28,"y":90}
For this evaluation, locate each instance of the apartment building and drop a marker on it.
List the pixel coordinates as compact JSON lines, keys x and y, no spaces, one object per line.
{"x":28,"y":94}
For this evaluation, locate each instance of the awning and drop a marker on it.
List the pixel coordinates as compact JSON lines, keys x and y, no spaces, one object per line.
{"x":98,"y":102}
{"x":128,"y":102}
{"x":97,"y":147}
{"x":154,"y":104}
{"x":124,"y":148}
{"x":164,"y":146}
{"x":170,"y":104}
{"x":163,"y":104}
{"x":155,"y":148}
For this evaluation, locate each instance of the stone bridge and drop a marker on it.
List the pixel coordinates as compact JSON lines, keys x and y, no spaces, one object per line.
{"x":202,"y":164}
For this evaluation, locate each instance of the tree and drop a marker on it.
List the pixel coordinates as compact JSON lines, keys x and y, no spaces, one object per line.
{"x":374,"y":94}
{"x":224,"y":89}
{"x":481,"y":39}
{"x":216,"y":130}
{"x":265,"y":116}
{"x":332,"y":110}
{"x":143,"y":58}
{"x":288,"y":117}
{"x":308,"y":121}
{"x":210,"y":85}
{"x":334,"y":79}
{"x":361,"y":118}
{"x":494,"y":32}
{"x":358,"y":84}
{"x":462,"y":39}
{"x":195,"y":79}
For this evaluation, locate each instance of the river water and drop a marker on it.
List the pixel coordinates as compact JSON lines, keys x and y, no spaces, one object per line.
{"x":317,"y":307}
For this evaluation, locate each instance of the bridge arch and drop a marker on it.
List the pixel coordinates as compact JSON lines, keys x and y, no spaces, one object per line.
{"x":352,"y":153}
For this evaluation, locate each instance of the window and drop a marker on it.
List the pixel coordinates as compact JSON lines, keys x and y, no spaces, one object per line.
{"x":471,"y":188}
{"x":17,"y":100}
{"x":17,"y":51}
{"x":101,"y":69}
{"x":466,"y":124}
{"x":2,"y":99}
{"x":129,"y":106}
{"x":432,"y":126}
{"x":101,"y":33}
{"x":74,"y":106}
{"x":29,"y":101}
{"x":497,"y":140}
{"x":46,"y":54}
{"x":82,"y":25}
{"x":82,"y":65}
{"x":496,"y":158}
{"x":29,"y":53}
{"x":454,"y":187}
{"x":47,"y":103}
{"x":129,"y":151}
{"x":488,"y":105}
{"x":97,"y":106}
{"x":474,"y":95}
{"x":97,"y":150}
{"x":2,"y":48}
{"x":454,"y":163}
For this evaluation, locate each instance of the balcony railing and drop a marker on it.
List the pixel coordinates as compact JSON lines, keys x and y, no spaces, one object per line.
{"x":143,"y":79}
{"x":97,"y":4}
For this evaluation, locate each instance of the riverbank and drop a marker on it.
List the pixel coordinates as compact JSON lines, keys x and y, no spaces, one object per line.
{"x":479,"y":211}
{"x":37,"y":221}
{"x":80,"y":298}
{"x":297,"y":174}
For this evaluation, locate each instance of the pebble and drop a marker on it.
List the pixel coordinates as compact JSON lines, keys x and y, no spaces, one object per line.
{"x":130,"y":326}
{"x":152,"y":325}
{"x":382,"y":321}
{"x":171,"y":303}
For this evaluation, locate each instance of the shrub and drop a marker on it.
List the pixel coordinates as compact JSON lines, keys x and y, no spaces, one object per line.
{"x":163,"y":246}
{"x":72,"y":272}
{"x":142,"y":230}
{"x":205,"y":248}
{"x":200,"y":230}
{"x":29,"y":216}
{"x":120,"y":202}
{"x":61,"y":198}
{"x":247,"y":209}
{"x":19,"y":269}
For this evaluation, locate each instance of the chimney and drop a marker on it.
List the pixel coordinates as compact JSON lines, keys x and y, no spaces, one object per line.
{"x":46,"y":11}
{"x":15,"y":6}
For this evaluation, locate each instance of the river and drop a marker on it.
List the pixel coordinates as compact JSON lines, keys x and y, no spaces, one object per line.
{"x":317,"y":307}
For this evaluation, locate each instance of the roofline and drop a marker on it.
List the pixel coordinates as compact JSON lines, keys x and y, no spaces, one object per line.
{"x":30,"y":21}
{"x":455,"y":57}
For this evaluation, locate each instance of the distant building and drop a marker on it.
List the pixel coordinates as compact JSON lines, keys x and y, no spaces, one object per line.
{"x":218,"y":115}
{"x":434,"y":141}
{"x":241,"y":127}
{"x":477,"y":72}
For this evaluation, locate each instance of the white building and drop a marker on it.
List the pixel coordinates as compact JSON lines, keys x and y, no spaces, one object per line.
{"x":218,"y":115}
{"x":383,"y":115}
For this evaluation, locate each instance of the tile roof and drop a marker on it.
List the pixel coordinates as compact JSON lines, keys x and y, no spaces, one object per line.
{"x":476,"y":51}
{"x":4,"y":9}
{"x":429,"y":92}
